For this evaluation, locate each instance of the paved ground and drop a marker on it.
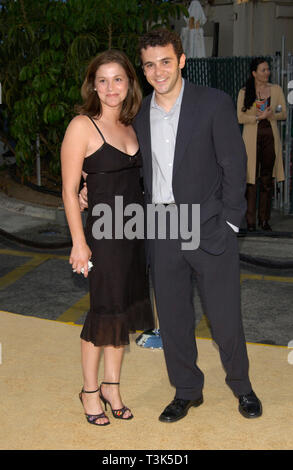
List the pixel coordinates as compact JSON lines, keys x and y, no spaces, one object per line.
{"x":40,"y":282}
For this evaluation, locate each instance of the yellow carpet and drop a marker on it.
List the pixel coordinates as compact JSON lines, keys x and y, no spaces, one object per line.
{"x":40,"y":378}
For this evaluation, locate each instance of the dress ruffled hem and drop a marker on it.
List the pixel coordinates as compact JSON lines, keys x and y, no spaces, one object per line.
{"x":114,"y":329}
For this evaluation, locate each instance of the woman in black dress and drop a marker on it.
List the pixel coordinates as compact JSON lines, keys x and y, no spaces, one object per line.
{"x":101,"y":142}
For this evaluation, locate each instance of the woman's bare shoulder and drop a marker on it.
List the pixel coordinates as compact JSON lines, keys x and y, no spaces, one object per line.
{"x":81,"y":120}
{"x":78,"y":128}
{"x":78,"y":124}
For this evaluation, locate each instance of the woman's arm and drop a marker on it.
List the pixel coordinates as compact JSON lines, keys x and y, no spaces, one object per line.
{"x":73,"y":151}
{"x":243,"y":117}
{"x":280,"y":101}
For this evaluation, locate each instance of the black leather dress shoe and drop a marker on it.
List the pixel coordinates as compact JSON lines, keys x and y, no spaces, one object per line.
{"x":178,"y":408}
{"x":250,"y":405}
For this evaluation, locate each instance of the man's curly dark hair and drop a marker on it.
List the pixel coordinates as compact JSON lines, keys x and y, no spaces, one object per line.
{"x":161,"y":37}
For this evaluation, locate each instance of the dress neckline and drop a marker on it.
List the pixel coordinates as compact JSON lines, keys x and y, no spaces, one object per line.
{"x":115,"y":148}
{"x":106,"y":143}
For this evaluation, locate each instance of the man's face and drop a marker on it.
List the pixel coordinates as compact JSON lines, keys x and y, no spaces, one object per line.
{"x":161,"y":68}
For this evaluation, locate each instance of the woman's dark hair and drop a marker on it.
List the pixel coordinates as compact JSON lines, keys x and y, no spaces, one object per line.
{"x":91,"y":103}
{"x":161,"y":37}
{"x":250,"y":94}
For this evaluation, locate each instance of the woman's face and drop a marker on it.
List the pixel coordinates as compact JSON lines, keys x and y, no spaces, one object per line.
{"x":262,"y":72}
{"x":111,"y":84}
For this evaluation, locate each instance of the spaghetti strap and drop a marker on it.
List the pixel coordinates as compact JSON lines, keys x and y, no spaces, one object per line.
{"x":97,"y":128}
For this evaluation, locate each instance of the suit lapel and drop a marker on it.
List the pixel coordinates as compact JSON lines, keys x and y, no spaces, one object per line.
{"x":144,"y":135}
{"x":184,"y":132}
{"x":186,"y":124}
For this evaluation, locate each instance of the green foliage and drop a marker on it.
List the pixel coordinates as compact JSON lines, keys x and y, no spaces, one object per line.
{"x":45,"y":46}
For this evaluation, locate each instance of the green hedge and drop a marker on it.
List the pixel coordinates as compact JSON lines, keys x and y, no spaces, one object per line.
{"x":45,"y":46}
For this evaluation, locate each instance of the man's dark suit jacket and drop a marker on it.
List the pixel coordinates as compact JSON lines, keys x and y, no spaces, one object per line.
{"x":209,"y":163}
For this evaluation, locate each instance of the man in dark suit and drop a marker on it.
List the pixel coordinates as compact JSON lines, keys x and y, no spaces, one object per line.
{"x":193,"y":153}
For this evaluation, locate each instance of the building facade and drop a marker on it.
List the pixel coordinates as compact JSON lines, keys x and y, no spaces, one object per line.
{"x":248,"y":27}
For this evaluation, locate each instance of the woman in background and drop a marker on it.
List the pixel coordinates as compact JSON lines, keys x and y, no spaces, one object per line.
{"x":260,"y":104}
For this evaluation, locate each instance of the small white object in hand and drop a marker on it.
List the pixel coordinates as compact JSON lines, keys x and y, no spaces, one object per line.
{"x":90,"y":265}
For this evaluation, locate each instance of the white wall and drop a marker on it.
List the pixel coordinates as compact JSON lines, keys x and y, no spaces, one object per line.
{"x":259,"y":27}
{"x":222,"y":13}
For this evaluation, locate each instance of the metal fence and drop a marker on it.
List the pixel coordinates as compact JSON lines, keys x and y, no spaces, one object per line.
{"x":230,"y":74}
{"x":225,"y":73}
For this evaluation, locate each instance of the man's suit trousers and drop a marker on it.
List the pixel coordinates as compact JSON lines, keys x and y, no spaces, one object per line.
{"x":218,"y":280}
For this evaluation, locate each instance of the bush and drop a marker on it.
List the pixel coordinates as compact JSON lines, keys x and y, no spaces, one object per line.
{"x":45,"y":47}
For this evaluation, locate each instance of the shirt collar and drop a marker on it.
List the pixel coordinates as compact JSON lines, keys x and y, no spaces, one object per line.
{"x":177,"y":102}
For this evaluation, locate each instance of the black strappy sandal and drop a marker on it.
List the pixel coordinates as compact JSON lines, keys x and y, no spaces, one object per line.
{"x":92,"y":418}
{"x":118,"y":414}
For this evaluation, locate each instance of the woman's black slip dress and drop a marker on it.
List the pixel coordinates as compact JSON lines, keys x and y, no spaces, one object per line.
{"x":118,"y":284}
